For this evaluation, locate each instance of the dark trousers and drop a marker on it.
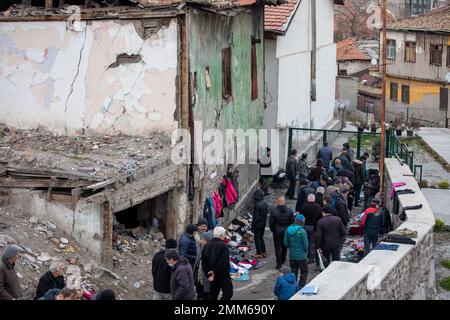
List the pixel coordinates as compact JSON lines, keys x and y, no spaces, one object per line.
{"x":201,"y":294}
{"x":227,"y":289}
{"x":301,"y":265}
{"x":370,"y":242}
{"x":264,"y":184}
{"x":358,"y":188}
{"x":291,"y":190}
{"x":312,"y":242}
{"x":259,"y":240}
{"x":331,"y":254}
{"x":280,"y":249}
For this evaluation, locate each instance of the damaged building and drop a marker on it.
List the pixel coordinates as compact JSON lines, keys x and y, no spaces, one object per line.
{"x":91,"y":93}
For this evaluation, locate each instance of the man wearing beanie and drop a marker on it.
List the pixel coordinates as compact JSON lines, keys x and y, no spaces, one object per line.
{"x":202,"y":227}
{"x":186,"y":245}
{"x":9,"y":282}
{"x":296,"y":240}
{"x":161,"y":272}
{"x":329,"y":232}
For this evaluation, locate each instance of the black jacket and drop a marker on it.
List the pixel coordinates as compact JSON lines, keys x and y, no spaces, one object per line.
{"x":260,"y":210}
{"x":303,"y":193}
{"x":47,"y":282}
{"x":319,"y":199}
{"x":312,"y":212}
{"x":359,"y":173}
{"x":182,"y":281}
{"x":315,"y":173}
{"x":341,"y":210}
{"x":330,"y":231}
{"x":161,"y":272}
{"x":281,"y":217}
{"x":291,"y":168}
{"x":187,"y":248}
{"x":216,"y":258}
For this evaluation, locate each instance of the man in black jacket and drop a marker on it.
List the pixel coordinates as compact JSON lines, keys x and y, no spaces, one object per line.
{"x":52,"y":279}
{"x":281,"y":217}
{"x":161,"y":272}
{"x":291,"y":173}
{"x":260,"y":211}
{"x":187,"y":247}
{"x":312,"y":213}
{"x":182,"y":278}
{"x":216,"y":266}
{"x":303,"y":192}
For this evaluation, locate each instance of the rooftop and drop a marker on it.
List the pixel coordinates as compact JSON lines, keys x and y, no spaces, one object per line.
{"x":276,"y":18}
{"x":436,"y":21}
{"x":348,"y":49}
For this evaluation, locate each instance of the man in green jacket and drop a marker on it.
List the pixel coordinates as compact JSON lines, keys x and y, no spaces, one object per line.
{"x":296,"y":240}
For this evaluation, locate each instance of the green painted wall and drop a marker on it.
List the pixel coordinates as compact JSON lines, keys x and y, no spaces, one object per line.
{"x":208,"y":34}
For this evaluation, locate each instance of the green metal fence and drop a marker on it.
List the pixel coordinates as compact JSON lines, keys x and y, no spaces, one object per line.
{"x":397,"y":149}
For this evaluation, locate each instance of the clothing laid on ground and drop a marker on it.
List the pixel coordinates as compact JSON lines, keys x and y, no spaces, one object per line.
{"x":403,"y":216}
{"x":405,"y":232}
{"x":386,"y":246}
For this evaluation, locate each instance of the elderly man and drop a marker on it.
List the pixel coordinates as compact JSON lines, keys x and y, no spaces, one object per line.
{"x":182,"y":278}
{"x":200,"y":279}
{"x":9,"y":282}
{"x":216,"y":266}
{"x":52,"y":279}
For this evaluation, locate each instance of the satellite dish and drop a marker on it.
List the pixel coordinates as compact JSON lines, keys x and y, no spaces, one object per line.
{"x":374,"y":61}
{"x":447,"y":77}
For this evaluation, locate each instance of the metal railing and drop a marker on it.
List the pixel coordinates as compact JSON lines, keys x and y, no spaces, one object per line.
{"x":396,"y":148}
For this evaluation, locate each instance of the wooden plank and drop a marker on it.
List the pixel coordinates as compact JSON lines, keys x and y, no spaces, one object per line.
{"x":40,"y":183}
{"x":61,"y":198}
{"x":100,"y":185}
{"x":50,"y":173}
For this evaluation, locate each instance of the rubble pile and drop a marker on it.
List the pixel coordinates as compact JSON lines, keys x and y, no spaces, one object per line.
{"x":42,"y":243}
{"x":101,"y":156}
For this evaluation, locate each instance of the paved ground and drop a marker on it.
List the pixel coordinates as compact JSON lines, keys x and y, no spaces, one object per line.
{"x":439,"y":201}
{"x":438,"y":139}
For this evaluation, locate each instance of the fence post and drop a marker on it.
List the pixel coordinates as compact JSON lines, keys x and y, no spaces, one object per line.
{"x":358,"y":145}
{"x":289,"y":141}
{"x":324,"y":136}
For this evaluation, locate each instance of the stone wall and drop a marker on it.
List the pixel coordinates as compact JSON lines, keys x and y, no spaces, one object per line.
{"x":404,"y":274}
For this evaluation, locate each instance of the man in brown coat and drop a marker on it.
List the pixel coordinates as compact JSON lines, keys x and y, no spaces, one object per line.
{"x":9,"y":282}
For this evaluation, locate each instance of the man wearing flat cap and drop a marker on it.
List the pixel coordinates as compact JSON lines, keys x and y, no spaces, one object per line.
{"x":9,"y":282}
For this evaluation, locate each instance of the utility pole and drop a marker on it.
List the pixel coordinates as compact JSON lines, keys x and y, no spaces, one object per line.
{"x":383,"y":95}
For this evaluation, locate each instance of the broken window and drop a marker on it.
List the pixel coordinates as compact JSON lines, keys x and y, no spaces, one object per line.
{"x":405,"y":94}
{"x":226,"y":74}
{"x":394,"y":91}
{"x":254,"y":73}
{"x":436,"y":54}
{"x":390,"y":50}
{"x":410,"y":51}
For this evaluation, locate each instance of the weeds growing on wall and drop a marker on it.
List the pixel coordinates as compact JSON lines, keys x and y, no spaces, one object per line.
{"x":443,"y":184}
{"x":445,"y":283}
{"x":445,"y":263}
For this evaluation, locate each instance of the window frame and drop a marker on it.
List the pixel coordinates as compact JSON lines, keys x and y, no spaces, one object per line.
{"x":407,"y":99}
{"x":432,"y":45}
{"x":391,"y":97}
{"x":388,"y":48}
{"x":407,"y":57}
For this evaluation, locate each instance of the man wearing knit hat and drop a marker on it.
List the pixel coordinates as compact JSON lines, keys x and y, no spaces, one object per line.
{"x":9,"y":282}
{"x":296,"y":240}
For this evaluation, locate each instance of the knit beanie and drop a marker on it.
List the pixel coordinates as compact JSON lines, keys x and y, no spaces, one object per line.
{"x":11,"y":251}
{"x":285,"y":270}
{"x":202,"y":221}
{"x":299,"y":217}
{"x":191,"y":228}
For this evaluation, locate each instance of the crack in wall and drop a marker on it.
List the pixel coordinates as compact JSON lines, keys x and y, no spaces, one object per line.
{"x":74,"y":79}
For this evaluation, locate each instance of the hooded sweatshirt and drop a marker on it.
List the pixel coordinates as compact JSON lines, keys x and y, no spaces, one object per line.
{"x":286,"y":286}
{"x":296,"y":240}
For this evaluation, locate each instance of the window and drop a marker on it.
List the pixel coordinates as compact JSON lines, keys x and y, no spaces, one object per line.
{"x":226,"y":74}
{"x":410,"y":51}
{"x":394,"y":91}
{"x":368,"y":105}
{"x":390,"y":52}
{"x":342,"y":72}
{"x":405,"y":94}
{"x":436,"y":54}
{"x":254,"y":73}
{"x":448,"y":56}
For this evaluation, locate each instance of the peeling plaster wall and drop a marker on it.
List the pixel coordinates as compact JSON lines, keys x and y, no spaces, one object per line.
{"x":62,"y":80}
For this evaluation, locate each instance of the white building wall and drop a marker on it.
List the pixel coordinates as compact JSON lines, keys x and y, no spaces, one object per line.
{"x":62,"y":80}
{"x":271,"y":81}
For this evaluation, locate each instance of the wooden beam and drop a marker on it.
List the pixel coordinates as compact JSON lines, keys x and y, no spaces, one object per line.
{"x":100,"y":185}
{"x":40,"y":183}
{"x":16,"y":170}
{"x":106,"y":240}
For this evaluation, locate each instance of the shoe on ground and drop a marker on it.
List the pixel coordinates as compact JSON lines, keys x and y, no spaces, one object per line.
{"x":257,"y":256}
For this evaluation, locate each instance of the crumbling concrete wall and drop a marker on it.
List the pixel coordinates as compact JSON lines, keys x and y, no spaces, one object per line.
{"x":111,"y":77}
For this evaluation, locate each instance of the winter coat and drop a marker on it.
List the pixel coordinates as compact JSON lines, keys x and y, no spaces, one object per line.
{"x":302,"y":196}
{"x":371,"y":184}
{"x":9,"y":282}
{"x":217,"y":202}
{"x":187,"y":248}
{"x":326,"y":155}
{"x":312,"y":212}
{"x":260,"y":210}
{"x":338,"y":204}
{"x":230,"y":193}
{"x":296,"y":240}
{"x":209,"y":214}
{"x":319,"y":199}
{"x":344,"y":160}
{"x":281,"y":217}
{"x":161,"y":272}
{"x":372,"y":221}
{"x":50,"y":294}
{"x":291,"y":167}
{"x":315,"y":173}
{"x":286,"y":286}
{"x":200,"y":277}
{"x":47,"y":282}
{"x":346,"y":173}
{"x":330,"y":230}
{"x":216,"y":258}
{"x":302,"y":169}
{"x":182,"y":281}
{"x":359,"y":173}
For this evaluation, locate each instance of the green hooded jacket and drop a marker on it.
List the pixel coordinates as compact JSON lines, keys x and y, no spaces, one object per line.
{"x":296,"y":240}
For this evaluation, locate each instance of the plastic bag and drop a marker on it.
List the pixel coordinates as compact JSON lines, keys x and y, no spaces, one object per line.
{"x":321,"y":260}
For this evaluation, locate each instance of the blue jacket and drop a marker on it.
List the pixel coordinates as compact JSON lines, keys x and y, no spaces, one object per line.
{"x":286,"y":286}
{"x":187,"y":248}
{"x":296,"y":240}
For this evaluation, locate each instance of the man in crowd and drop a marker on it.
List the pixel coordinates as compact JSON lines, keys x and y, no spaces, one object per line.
{"x":372,"y":221}
{"x":319,"y":196}
{"x":312,"y":213}
{"x":317,"y":171}
{"x":9,"y":282}
{"x":260,"y":211}
{"x":161,"y":272}
{"x":303,"y":192}
{"x":182,"y":278}
{"x":202,"y":227}
{"x":291,"y":173}
{"x":265,"y":165}
{"x":200,"y":279}
{"x":60,"y":294}
{"x":359,"y":180}
{"x":296,"y":240}
{"x":371,"y":186}
{"x":281,"y":217}
{"x":330,"y":231}
{"x":350,"y":151}
{"x":325,"y":153}
{"x":52,"y":279}
{"x":302,"y":168}
{"x":216,"y":266}
{"x":187,"y":247}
